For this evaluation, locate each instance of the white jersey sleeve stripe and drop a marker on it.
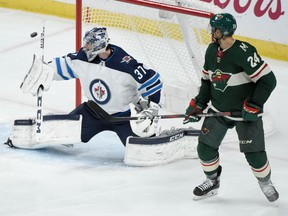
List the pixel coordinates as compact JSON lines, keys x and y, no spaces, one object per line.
{"x":205,"y":75}
{"x":262,"y":71}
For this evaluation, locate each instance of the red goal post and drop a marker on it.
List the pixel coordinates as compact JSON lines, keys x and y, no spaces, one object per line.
{"x":78,"y":44}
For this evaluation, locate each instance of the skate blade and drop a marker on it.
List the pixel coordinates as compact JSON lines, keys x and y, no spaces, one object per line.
{"x":210,"y":194}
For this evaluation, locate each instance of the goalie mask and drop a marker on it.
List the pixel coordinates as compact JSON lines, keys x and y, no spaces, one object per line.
{"x":225,"y":22}
{"x":95,"y":41}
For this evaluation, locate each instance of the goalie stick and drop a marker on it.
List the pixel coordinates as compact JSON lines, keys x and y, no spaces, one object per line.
{"x":39,"y":115}
{"x":106,"y":116}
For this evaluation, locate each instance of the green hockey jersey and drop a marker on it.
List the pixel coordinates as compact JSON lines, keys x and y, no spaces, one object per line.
{"x":232,"y":75}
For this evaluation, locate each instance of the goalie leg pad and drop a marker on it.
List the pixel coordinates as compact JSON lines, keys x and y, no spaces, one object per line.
{"x":163,"y":149}
{"x":56,"y":130}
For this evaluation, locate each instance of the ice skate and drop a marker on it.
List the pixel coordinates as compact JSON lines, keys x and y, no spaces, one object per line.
{"x":269,"y":190}
{"x":208,"y":188}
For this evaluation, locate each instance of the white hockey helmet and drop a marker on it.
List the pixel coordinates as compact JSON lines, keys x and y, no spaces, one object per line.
{"x":95,"y":41}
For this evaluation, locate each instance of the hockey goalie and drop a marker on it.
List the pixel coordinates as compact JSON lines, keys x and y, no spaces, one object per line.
{"x":116,"y":85}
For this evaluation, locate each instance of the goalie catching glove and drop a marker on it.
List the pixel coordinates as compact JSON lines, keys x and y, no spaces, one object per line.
{"x":40,"y":74}
{"x":146,"y":126}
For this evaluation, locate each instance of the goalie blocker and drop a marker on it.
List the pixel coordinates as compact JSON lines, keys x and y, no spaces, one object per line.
{"x":169,"y":146}
{"x":56,"y":130}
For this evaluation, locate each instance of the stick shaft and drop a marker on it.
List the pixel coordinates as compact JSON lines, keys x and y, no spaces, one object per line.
{"x":42,"y":38}
{"x":117,"y":119}
{"x":39,"y":114}
{"x":104,"y":115}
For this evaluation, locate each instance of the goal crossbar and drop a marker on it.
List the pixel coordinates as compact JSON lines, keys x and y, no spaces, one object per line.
{"x":168,"y":7}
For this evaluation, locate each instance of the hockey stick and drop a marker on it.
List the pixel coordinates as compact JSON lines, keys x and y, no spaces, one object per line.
{"x":105,"y":116}
{"x":39,"y":115}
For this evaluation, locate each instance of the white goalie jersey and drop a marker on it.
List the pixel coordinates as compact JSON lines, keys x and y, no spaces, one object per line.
{"x":112,"y":83}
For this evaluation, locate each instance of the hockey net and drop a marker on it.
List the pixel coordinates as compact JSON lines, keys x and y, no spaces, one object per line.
{"x":169,"y":36}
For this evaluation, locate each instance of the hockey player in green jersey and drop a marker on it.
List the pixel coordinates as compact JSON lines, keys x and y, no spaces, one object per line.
{"x":235,"y":78}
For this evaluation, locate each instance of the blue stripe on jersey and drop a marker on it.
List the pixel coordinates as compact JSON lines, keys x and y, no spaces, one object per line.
{"x":150,"y":82}
{"x":153,"y":90}
{"x":69,"y":70}
{"x":59,"y":69}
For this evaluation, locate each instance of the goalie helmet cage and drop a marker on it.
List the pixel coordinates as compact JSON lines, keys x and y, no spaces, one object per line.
{"x":169,"y":36}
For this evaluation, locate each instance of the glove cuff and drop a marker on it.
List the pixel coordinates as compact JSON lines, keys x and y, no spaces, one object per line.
{"x":194,"y":103}
{"x":249,"y":107}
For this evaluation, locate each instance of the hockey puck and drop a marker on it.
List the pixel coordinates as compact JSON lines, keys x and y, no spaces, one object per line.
{"x":33,"y":34}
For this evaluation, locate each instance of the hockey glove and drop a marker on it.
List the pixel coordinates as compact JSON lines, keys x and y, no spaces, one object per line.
{"x":40,"y":74}
{"x":144,"y":127}
{"x":250,"y":111}
{"x":193,"y":109}
{"x":147,"y":108}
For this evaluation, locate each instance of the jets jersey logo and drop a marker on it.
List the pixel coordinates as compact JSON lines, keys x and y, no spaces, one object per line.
{"x":126,"y":59}
{"x":220,"y":80}
{"x":100,"y":91}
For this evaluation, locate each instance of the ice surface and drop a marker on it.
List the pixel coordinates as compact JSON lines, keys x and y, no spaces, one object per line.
{"x":91,"y":179}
